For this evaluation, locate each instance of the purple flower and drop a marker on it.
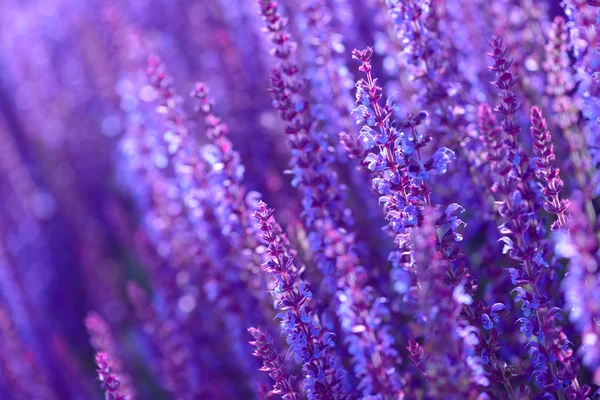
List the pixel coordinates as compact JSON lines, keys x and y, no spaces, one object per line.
{"x":522,"y":229}
{"x":110,"y":382}
{"x":450,"y":361}
{"x":303,"y":333}
{"x":367,"y":137}
{"x":273,"y":363}
{"x":326,"y":218}
{"x":405,"y":173}
{"x":442,"y":157}
{"x":486,"y":322}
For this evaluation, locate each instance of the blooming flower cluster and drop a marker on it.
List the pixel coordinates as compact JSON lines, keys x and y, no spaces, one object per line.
{"x":433,"y":174}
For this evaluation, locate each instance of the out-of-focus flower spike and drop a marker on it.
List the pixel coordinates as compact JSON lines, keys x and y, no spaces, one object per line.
{"x":79,"y":384}
{"x":273,"y":363}
{"x":546,"y":170}
{"x":505,"y":80}
{"x":560,"y":85}
{"x":354,"y":148}
{"x":434,"y":75}
{"x":581,"y":286}
{"x":309,"y":162}
{"x":102,"y":341}
{"x":522,"y":25}
{"x":190,"y":166}
{"x":330,"y":83}
{"x":401,"y":173}
{"x":585,"y":38}
{"x":585,"y":35}
{"x":402,"y":180}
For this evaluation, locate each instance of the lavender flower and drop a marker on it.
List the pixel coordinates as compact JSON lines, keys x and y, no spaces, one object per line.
{"x":321,"y":193}
{"x":580,"y":286}
{"x":546,"y":171}
{"x":449,"y":357}
{"x":557,"y":64}
{"x":505,"y":81}
{"x":273,"y":363}
{"x":402,"y":172}
{"x":404,"y":183}
{"x":140,"y":203}
{"x":20,"y":375}
{"x":360,"y":312}
{"x":110,"y":382}
{"x":175,"y":357}
{"x":308,"y":343}
{"x":227,"y":173}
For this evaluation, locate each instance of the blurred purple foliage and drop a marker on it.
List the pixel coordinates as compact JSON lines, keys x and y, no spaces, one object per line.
{"x":433,"y":167}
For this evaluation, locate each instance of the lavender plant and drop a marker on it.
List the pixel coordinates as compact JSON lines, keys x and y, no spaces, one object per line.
{"x":440,"y":205}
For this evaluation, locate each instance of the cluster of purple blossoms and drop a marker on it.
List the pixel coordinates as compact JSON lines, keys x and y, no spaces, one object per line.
{"x":108,"y":380}
{"x":308,"y":343}
{"x":434,"y":164}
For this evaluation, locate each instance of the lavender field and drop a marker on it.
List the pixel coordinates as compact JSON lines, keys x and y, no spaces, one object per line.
{"x":299,"y":200}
